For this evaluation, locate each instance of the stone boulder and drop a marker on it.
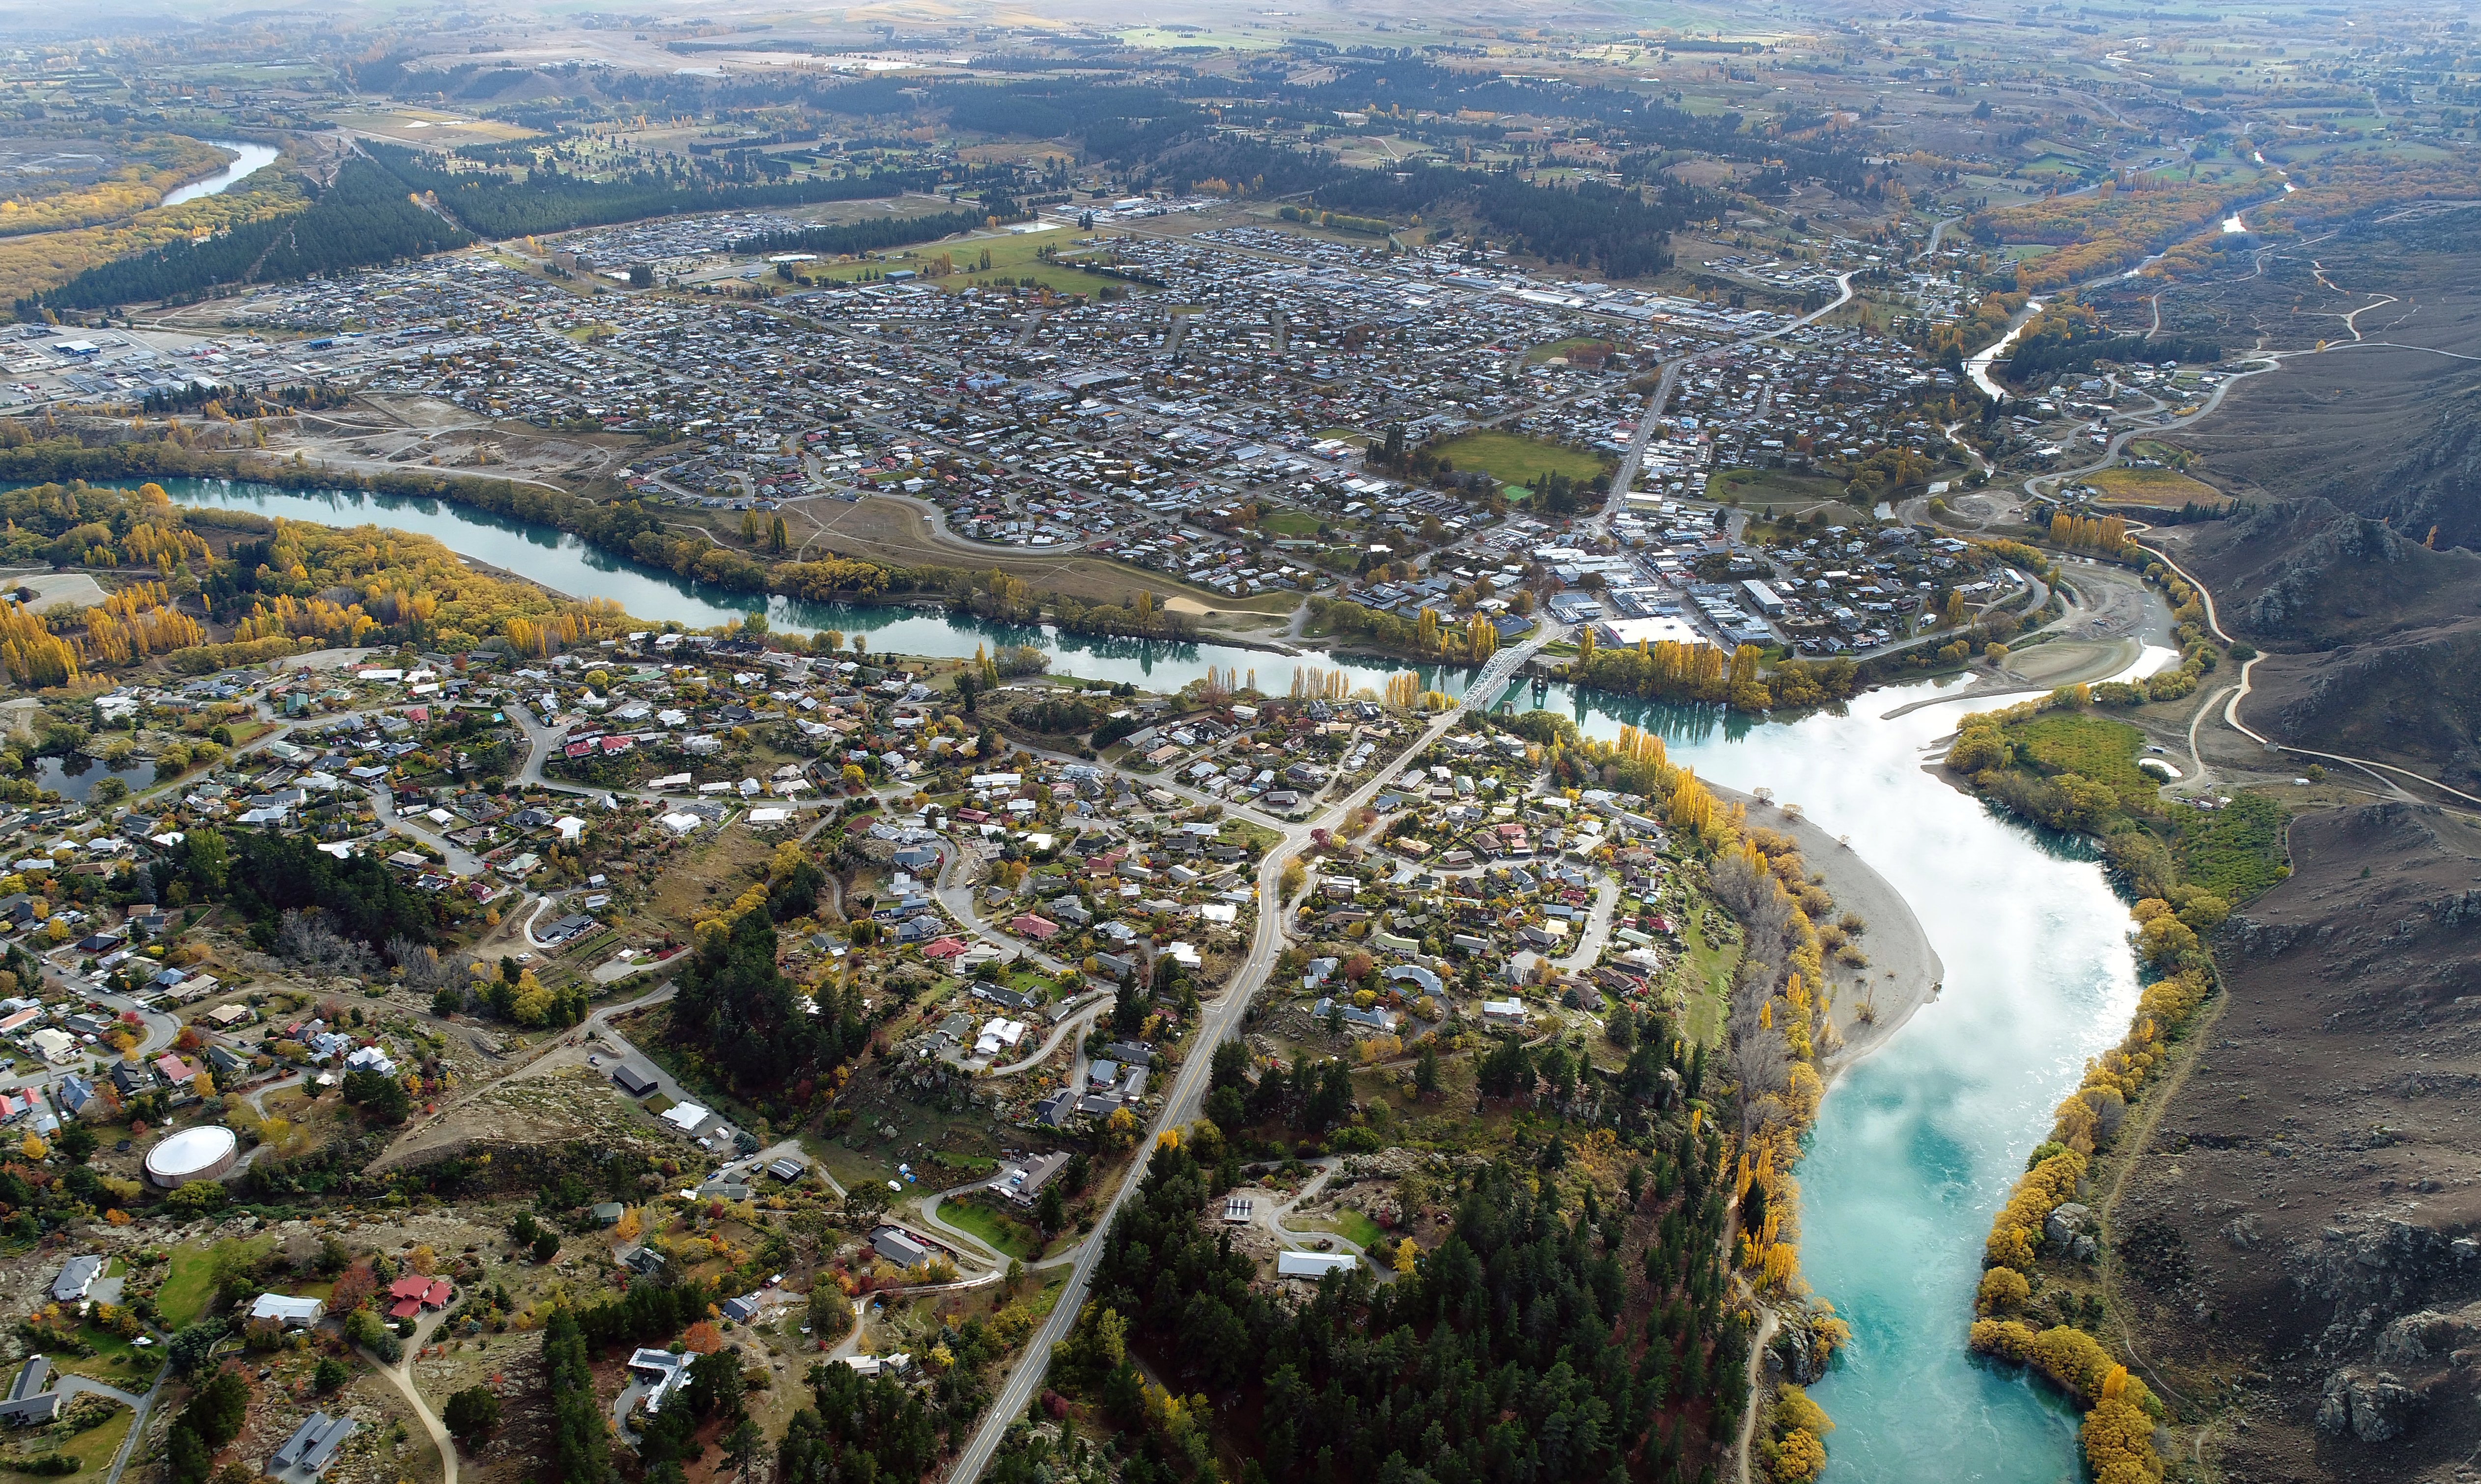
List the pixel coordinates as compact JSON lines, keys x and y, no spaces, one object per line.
{"x":2370,"y":1406}
{"x":2069,"y":1230}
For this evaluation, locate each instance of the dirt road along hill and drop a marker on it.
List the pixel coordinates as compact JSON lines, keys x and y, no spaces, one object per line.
{"x":2293,"y":1245}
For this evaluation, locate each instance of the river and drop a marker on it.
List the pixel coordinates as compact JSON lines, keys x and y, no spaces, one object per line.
{"x":1914,"y":1147}
{"x":1977,"y":366}
{"x":567,"y":565}
{"x":253,"y":158}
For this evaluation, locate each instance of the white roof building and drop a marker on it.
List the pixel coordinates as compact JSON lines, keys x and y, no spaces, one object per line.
{"x":1313,"y":1264}
{"x":290,"y":1312}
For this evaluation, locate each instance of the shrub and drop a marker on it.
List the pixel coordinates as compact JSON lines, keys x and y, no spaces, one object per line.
{"x":473,"y":1414}
{"x":2004,"y":1290}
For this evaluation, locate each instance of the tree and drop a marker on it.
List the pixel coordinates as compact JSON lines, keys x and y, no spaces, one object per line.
{"x":715,"y":1387}
{"x":195,"y":1198}
{"x":1049,"y":1211}
{"x":546,"y":1245}
{"x":381,"y":1097}
{"x":473,"y":1414}
{"x":832,"y":1315}
{"x":1425,"y":1071}
{"x":194,"y":1346}
{"x":189,"y":1458}
{"x":216,"y":1412}
{"x":331,"y":1374}
{"x":744,"y":1448}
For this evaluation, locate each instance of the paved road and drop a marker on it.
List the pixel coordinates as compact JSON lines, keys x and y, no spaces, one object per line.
{"x":1596,"y":930}
{"x":138,"y":1424}
{"x":1219,"y":1021}
{"x":1625,"y":475}
{"x":1075,"y":1025}
{"x":954,"y":891}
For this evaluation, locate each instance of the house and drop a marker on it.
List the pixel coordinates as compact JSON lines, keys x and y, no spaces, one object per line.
{"x":634,"y":1077}
{"x":290,"y":1312}
{"x":1502,"y":1012}
{"x":868,"y":1366}
{"x":74,"y":1093}
{"x":415,"y":1292}
{"x":899,"y":1246}
{"x":1354,"y":1017}
{"x":609,"y":1214}
{"x":1313,"y":1266}
{"x":31,"y":1400}
{"x":1021,"y":1181}
{"x":741,"y":1310}
{"x":1414,"y":974}
{"x":173,"y":1071}
{"x":312,"y":1447}
{"x":53,"y":1043}
{"x":787,"y":1168}
{"x":77,"y":1275}
{"x":660,"y":1371}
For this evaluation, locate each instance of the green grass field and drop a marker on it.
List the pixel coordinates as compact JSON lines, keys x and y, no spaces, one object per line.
{"x":1000,"y":1233}
{"x":1557,"y":347}
{"x":116,"y":1362}
{"x":2236,"y":850}
{"x":186,"y":1286}
{"x":1295,"y":525}
{"x":1016,"y":255}
{"x":2095,"y":747}
{"x":1513,"y":459}
{"x":1777,"y":491}
{"x":92,"y":1449}
{"x":1353,"y":1227}
{"x":1710,"y":979}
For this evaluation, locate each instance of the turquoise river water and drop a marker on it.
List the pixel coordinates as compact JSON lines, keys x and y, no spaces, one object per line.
{"x":1915,"y":1146}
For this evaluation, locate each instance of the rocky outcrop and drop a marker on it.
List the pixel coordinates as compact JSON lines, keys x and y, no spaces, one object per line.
{"x":2372,"y":1406}
{"x":2069,"y":1230}
{"x":2366,"y":1274}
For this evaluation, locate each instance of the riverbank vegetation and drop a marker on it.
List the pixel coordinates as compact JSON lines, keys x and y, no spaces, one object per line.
{"x":364,"y":215}
{"x":283,"y":585}
{"x":1779,"y":1026}
{"x":1703,"y":673}
{"x":622,"y":527}
{"x":2054,"y":763}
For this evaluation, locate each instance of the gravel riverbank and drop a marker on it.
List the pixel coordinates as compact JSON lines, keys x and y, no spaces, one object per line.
{"x":1903,"y":973}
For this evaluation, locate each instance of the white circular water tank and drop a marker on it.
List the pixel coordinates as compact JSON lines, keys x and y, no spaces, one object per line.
{"x":205,"y":1153}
